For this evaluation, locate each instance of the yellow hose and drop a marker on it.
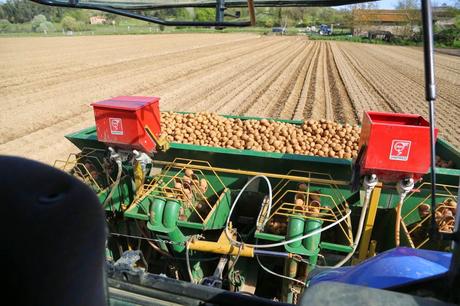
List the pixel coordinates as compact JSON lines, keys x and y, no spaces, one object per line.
{"x":403,"y":188}
{"x":398,"y":223}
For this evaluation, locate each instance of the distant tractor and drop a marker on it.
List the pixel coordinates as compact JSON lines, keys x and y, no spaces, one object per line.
{"x":279,"y":30}
{"x":324,"y":29}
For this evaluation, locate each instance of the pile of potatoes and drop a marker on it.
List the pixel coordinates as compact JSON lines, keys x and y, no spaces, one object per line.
{"x":444,"y":214}
{"x":320,"y":138}
{"x":443,"y":163}
{"x":189,"y":189}
{"x":305,"y":203}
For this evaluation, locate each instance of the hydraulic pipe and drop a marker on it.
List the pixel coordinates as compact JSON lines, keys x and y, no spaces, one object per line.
{"x":272,"y":253}
{"x":403,"y":188}
{"x":220,"y":248}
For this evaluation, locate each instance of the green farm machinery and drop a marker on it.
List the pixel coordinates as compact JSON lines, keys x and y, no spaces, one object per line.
{"x":233,"y":219}
{"x":225,"y":214}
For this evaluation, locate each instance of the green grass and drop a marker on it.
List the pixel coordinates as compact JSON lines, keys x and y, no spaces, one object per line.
{"x":396,"y":41}
{"x":137,"y":27}
{"x":358,"y":39}
{"x":125,"y":27}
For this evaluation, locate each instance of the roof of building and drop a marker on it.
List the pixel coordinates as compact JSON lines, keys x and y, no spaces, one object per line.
{"x":394,"y":16}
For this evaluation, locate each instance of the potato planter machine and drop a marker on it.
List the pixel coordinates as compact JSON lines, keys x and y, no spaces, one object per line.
{"x":203,"y":225}
{"x":234,"y":219}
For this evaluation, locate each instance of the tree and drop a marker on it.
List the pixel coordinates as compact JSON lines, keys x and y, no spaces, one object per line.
{"x":4,"y":25}
{"x":37,"y":21}
{"x":264,"y":18}
{"x":69,"y":24}
{"x":205,"y":14}
{"x":78,"y":15}
{"x":20,"y":11}
{"x":269,"y":23}
{"x":408,"y":4}
{"x":46,"y":27}
{"x":182,"y":14}
{"x":2,"y":13}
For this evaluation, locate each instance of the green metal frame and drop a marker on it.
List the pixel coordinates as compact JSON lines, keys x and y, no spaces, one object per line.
{"x":279,"y":163}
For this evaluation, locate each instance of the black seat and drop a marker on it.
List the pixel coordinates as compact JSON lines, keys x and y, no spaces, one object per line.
{"x":53,"y":236}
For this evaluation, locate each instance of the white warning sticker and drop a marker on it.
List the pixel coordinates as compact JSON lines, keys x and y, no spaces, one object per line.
{"x":116,"y":126}
{"x":400,"y":150}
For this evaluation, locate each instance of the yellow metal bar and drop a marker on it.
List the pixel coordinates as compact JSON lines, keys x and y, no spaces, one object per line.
{"x":161,"y":142}
{"x":254,"y":173}
{"x":222,"y":246}
{"x":369,"y":225}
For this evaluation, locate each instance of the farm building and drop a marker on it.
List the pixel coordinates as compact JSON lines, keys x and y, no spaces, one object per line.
{"x":396,"y":22}
{"x":97,"y":20}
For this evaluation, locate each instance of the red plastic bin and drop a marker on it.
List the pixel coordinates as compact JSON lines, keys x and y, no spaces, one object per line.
{"x":395,"y":146}
{"x":120,"y":122}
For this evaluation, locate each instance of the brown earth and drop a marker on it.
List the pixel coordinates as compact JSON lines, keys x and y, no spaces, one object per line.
{"x":47,"y":84}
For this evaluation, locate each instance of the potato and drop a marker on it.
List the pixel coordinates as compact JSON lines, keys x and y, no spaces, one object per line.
{"x":299,"y":202}
{"x":322,"y":138}
{"x":189,"y":172}
{"x":203,"y":185}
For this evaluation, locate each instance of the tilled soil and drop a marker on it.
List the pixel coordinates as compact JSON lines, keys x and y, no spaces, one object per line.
{"x":47,"y":84}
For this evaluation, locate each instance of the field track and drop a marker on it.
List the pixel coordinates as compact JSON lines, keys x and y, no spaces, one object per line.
{"x":47,"y":84}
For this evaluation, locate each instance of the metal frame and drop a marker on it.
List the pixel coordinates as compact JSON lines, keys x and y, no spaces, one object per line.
{"x":133,"y":10}
{"x":454,"y":273}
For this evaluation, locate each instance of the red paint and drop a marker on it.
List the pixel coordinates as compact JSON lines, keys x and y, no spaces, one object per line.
{"x":395,"y":146}
{"x":120,"y":122}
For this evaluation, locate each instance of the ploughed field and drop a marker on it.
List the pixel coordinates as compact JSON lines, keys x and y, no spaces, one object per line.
{"x":47,"y":84}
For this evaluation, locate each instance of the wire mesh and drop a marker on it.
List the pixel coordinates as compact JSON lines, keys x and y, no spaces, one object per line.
{"x":197,"y":190}
{"x":421,"y":211}
{"x":89,"y":166}
{"x":321,"y":201}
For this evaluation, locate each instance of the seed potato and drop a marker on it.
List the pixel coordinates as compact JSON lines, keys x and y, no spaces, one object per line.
{"x":321,"y":138}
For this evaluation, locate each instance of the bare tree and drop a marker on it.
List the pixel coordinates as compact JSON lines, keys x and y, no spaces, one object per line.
{"x":408,"y":4}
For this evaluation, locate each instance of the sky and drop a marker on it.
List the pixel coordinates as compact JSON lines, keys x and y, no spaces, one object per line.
{"x":390,"y":4}
{"x":387,"y":4}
